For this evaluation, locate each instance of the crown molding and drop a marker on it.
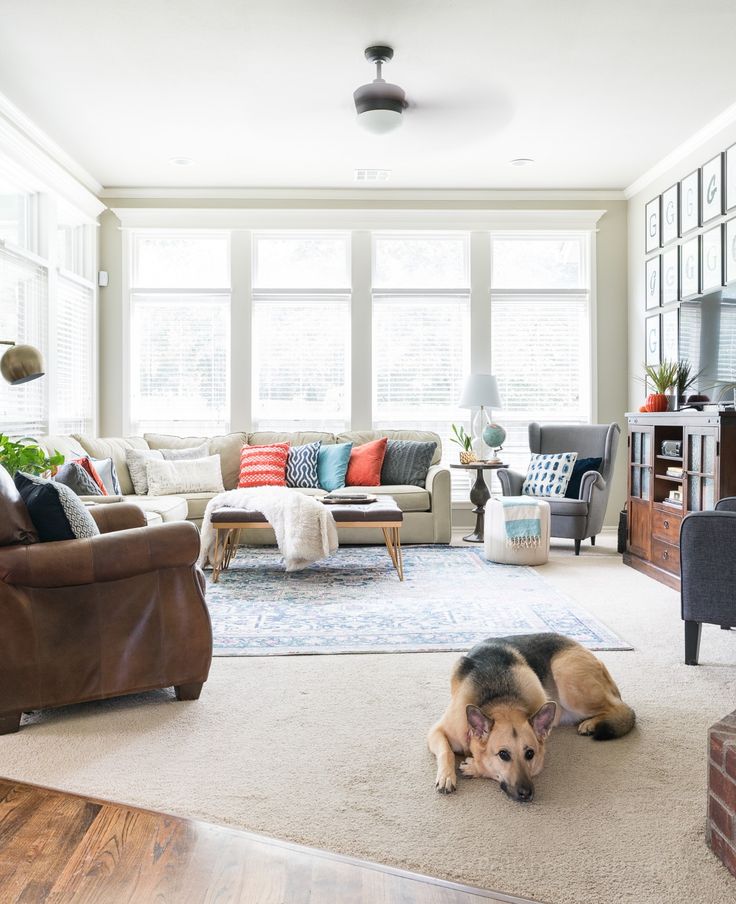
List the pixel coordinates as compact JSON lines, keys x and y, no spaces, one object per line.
{"x":360,"y":195}
{"x":689,"y":146}
{"x":352,"y":218}
{"x":30,"y":152}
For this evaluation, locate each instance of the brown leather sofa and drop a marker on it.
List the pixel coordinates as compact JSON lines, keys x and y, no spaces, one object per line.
{"x":119,"y":613}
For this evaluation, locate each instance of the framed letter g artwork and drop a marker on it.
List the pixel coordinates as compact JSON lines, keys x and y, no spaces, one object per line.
{"x":651,"y":213}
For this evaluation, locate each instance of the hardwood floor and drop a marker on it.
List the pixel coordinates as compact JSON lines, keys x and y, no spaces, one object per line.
{"x":58,"y":848}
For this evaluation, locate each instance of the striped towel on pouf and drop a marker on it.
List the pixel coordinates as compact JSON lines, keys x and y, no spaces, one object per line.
{"x":523,"y":526}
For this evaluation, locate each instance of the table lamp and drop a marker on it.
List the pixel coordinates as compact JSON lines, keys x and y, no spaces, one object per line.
{"x":481,"y":392}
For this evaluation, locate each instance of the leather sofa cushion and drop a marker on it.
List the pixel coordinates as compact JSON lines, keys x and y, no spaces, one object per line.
{"x":15,"y":522}
{"x":358,"y":437}
{"x":227,"y":447}
{"x":113,"y":447}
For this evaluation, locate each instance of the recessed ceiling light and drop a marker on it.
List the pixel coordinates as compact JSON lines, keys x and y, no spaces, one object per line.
{"x":521,"y":161}
{"x":181,"y":161}
{"x":368,"y":174}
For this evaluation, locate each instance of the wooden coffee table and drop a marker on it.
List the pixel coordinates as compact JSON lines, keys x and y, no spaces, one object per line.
{"x":383,"y":514}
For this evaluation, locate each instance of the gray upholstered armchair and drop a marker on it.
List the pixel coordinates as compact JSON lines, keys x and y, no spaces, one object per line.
{"x":578,"y":518}
{"x":708,"y":572}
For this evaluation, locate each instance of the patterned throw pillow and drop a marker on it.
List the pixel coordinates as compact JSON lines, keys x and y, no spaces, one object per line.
{"x":56,"y":513}
{"x":108,"y":476}
{"x":301,"y":465}
{"x":548,"y":475}
{"x":136,"y":460}
{"x":406,"y":462}
{"x":263,"y":466}
{"x":78,"y":479}
{"x":201,"y":475}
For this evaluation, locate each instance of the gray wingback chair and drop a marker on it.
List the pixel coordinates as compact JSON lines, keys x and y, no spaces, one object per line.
{"x":707,"y":572}
{"x":578,"y":518}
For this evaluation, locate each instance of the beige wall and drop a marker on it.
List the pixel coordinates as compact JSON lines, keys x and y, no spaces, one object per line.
{"x":637,"y":203}
{"x":611,"y":288}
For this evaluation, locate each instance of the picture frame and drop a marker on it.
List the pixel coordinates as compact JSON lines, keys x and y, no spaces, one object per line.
{"x":729,"y":178}
{"x":711,"y":259}
{"x":670,"y":225}
{"x":690,"y":268}
{"x":729,"y":250}
{"x":711,"y":192}
{"x":652,"y":224}
{"x":670,"y":335}
{"x":689,"y":202}
{"x":651,"y":339}
{"x":670,"y":275}
{"x":652,"y":282}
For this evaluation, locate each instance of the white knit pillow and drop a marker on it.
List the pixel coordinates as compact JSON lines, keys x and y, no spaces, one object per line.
{"x":201,"y":475}
{"x":136,"y":460}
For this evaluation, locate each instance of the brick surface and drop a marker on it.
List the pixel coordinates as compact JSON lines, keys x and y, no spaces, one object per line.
{"x":716,"y":746}
{"x":729,"y":760}
{"x":720,"y":817}
{"x":723,"y":850}
{"x":723,"y":787}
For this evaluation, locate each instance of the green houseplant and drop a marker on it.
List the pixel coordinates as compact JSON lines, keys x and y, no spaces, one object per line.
{"x":465,"y":441}
{"x":25,"y":454}
{"x":662,"y":376}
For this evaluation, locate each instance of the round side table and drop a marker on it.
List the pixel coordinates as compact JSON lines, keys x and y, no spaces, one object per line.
{"x":479,"y":494}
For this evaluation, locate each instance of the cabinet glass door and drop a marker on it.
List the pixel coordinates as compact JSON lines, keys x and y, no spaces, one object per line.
{"x":701,"y":454}
{"x":640,"y":462}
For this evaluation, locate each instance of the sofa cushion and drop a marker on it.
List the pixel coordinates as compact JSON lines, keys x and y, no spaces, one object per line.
{"x":170,"y":508}
{"x":227,"y":447}
{"x":15,"y":522}
{"x":56,"y":512}
{"x":560,"y":505}
{"x":69,"y":447}
{"x":113,"y":447}
{"x":189,"y":453}
{"x":364,"y":468}
{"x":358,"y":437}
{"x":408,"y":498}
{"x":296,"y":438}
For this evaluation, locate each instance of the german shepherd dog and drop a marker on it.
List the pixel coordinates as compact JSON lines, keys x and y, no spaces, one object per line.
{"x":507,"y":694}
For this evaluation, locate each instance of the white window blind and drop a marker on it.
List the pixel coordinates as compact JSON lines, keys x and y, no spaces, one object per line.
{"x":301,"y":362}
{"x":73,"y":375}
{"x":180,"y":363}
{"x":540,"y":334}
{"x":23,"y":319}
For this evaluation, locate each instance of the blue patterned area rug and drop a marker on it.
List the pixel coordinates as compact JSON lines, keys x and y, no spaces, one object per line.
{"x":353,"y":602}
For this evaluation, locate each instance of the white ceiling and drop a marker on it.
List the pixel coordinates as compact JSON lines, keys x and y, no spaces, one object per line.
{"x":259,"y":94}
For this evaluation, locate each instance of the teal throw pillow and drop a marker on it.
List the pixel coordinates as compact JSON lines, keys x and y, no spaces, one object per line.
{"x":332,"y":465}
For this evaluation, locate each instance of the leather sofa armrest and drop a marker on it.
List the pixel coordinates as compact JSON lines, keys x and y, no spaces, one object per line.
{"x":590,"y":481}
{"x":511,"y":481}
{"x":110,"y":518}
{"x":106,"y":557}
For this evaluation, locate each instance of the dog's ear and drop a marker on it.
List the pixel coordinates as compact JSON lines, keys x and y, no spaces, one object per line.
{"x":543,"y":718}
{"x":480,"y":724}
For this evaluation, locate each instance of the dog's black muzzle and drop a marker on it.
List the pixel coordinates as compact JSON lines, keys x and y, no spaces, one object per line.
{"x":523,"y":793}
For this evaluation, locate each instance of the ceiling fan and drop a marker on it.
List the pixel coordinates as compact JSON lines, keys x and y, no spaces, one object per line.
{"x":379,"y":104}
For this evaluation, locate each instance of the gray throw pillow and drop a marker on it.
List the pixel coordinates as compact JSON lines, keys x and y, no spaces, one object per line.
{"x":406,"y":462}
{"x":77,"y":479}
{"x":136,"y":460}
{"x":192,"y":452}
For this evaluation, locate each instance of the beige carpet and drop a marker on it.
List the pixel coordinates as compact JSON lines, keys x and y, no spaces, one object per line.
{"x":329,"y":751}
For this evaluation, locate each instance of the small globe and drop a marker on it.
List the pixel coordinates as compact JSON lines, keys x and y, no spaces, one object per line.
{"x":494,"y":436}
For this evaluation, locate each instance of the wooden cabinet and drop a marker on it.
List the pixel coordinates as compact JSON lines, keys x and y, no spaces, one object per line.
{"x":678,"y":462}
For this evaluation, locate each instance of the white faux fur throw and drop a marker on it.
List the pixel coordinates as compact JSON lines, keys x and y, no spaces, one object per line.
{"x":305,"y":529}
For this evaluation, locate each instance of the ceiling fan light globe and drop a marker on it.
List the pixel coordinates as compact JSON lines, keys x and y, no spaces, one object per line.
{"x":379,"y":122}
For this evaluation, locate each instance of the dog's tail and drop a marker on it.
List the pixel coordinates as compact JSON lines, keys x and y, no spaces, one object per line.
{"x":617,"y":722}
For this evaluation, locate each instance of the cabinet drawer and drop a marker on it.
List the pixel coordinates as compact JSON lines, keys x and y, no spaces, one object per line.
{"x":666,"y":556}
{"x":666,"y":526}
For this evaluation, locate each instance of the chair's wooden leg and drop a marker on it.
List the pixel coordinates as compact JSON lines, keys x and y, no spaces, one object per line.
{"x":188,"y":691}
{"x":577,"y":547}
{"x":692,"y":642}
{"x":399,"y":555}
{"x":9,"y":722}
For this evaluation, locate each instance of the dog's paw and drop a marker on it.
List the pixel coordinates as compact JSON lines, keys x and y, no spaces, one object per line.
{"x":587,"y":726}
{"x":467,"y":767}
{"x":446,"y":782}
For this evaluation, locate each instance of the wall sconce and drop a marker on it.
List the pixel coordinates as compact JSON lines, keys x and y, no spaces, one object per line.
{"x":21,"y":363}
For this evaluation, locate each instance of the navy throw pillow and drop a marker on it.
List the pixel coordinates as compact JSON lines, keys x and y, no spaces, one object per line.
{"x":301,"y":465}
{"x":56,"y":513}
{"x":579,"y":468}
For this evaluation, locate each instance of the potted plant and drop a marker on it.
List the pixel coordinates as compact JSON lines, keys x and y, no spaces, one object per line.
{"x":662,"y":376}
{"x":25,"y":454}
{"x":685,"y":379}
{"x":464,"y":440}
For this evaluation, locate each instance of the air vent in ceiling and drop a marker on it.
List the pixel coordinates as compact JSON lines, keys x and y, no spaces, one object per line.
{"x":372,"y":175}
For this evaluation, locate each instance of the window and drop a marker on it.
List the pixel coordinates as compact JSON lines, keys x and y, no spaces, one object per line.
{"x":421,"y":334}
{"x":72,"y":379}
{"x":16,"y":215}
{"x":301,"y":331}
{"x":180,"y":328}
{"x":540,"y":333}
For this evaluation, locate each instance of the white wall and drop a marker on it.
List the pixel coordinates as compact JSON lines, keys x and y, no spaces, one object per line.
{"x":611,"y":287}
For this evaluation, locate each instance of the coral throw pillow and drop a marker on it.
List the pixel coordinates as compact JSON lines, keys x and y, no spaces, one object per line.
{"x":364,"y":468}
{"x":263,"y":466}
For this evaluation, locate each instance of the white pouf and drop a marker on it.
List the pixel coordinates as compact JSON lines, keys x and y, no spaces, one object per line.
{"x":495,"y":545}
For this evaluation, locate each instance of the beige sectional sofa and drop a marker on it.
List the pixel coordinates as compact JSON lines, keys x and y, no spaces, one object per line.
{"x":427,"y":515}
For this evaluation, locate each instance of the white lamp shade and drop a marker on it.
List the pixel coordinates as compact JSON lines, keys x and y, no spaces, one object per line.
{"x":480,"y":389}
{"x":380,"y":121}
